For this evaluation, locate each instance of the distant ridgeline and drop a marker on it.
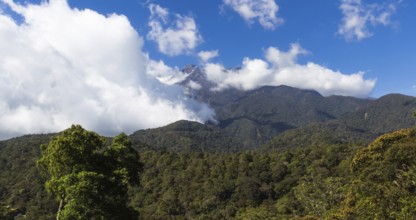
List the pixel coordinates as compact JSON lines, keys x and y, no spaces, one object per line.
{"x":276,"y":153}
{"x":280,"y":117}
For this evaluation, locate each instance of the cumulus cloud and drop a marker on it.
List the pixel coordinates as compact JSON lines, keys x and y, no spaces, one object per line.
{"x":206,"y":56}
{"x":358,"y":17}
{"x":282,"y":68}
{"x":179,"y":38}
{"x":62,"y":66}
{"x":264,"y":11}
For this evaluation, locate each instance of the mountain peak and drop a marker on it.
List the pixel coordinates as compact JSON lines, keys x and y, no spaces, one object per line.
{"x":196,"y":78}
{"x":191,"y":68}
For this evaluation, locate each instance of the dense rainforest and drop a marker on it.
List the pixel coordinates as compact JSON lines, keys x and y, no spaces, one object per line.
{"x":328,"y":180}
{"x":273,"y":153}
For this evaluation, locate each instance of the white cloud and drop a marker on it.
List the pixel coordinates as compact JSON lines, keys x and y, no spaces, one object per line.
{"x":63,"y":66}
{"x":281,"y":68}
{"x":358,"y":16}
{"x":194,"y":85}
{"x":172,"y":40}
{"x":206,"y":56}
{"x":164,"y":73}
{"x":264,"y":11}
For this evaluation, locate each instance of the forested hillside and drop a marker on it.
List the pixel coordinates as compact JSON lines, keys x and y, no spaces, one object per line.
{"x":274,"y":153}
{"x":327,"y":180}
{"x":207,"y":110}
{"x":185,"y":136}
{"x":21,"y":186}
{"x":283,"y":115}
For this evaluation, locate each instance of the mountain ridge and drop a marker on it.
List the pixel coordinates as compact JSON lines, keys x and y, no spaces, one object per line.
{"x":249,"y":119}
{"x":270,"y":114}
{"x":276,"y":114}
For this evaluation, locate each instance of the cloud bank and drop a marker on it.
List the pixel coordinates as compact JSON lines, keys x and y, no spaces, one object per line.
{"x":62,"y":66}
{"x":172,"y":40}
{"x":282,"y":68}
{"x":358,"y":17}
{"x":264,"y":11}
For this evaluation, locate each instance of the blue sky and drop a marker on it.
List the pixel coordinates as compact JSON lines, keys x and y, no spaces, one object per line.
{"x":112,"y":65}
{"x":388,"y":55}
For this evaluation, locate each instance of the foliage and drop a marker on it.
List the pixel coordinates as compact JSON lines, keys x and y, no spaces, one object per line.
{"x":319,"y":171}
{"x":184,"y":136}
{"x":281,"y":117}
{"x":22,"y":190}
{"x":89,"y":179}
{"x":245,"y":185}
{"x":384,"y":179}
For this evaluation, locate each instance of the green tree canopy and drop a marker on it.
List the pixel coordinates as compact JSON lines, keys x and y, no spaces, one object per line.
{"x":88,"y":178}
{"x":384,"y":179}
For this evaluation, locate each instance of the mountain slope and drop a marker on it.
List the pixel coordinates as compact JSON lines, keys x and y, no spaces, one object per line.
{"x":183,"y":136}
{"x":21,"y":186}
{"x":258,"y":115}
{"x":254,"y":117}
{"x":386,"y":114}
{"x":287,"y":117}
{"x":189,"y":164}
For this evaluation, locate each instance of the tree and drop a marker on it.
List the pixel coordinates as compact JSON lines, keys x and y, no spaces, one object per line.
{"x":383,"y":183}
{"x":89,"y":179}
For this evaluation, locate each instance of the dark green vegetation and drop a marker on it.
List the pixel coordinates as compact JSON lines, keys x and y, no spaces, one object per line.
{"x":254,"y":117}
{"x":279,"y":184}
{"x":317,"y":160}
{"x":384,"y":183}
{"x":21,"y":186}
{"x":89,"y":179}
{"x":335,"y":181}
{"x":186,"y":136}
{"x":289,"y":116}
